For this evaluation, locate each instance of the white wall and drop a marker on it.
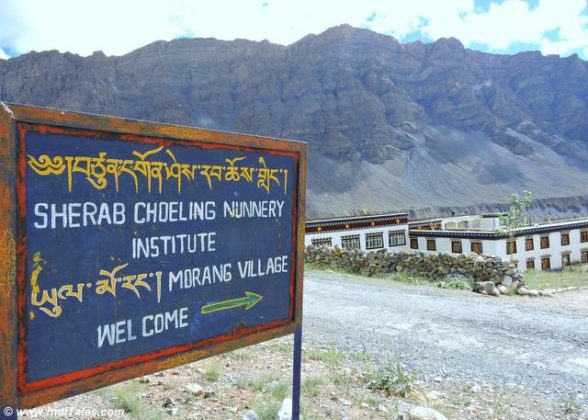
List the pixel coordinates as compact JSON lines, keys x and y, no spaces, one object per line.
{"x":444,"y":245}
{"x":498,"y":248}
{"x":472,"y":222}
{"x":490,"y":223}
{"x":336,"y":236}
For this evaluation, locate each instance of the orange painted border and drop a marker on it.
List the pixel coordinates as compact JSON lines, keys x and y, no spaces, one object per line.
{"x":24,"y":119}
{"x":8,"y":260}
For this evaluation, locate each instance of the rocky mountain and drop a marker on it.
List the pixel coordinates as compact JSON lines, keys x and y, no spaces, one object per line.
{"x":390,"y":126}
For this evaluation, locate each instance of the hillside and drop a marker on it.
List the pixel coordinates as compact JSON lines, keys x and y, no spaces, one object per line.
{"x":389,"y":126}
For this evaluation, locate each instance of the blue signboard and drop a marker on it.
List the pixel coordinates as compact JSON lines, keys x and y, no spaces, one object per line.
{"x":139,"y":248}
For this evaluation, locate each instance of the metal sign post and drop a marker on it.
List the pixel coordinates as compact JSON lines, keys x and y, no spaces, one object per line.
{"x":297,"y":373}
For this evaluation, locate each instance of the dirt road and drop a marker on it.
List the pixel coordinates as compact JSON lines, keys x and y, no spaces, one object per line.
{"x":538,"y":346}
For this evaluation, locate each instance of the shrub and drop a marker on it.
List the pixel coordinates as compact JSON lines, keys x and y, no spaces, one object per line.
{"x":393,"y":380}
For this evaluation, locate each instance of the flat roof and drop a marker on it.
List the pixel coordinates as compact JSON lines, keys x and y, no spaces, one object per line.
{"x":358,"y":218}
{"x":544,"y":227}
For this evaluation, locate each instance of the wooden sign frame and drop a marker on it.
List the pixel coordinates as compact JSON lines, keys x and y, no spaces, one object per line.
{"x":13,"y":248}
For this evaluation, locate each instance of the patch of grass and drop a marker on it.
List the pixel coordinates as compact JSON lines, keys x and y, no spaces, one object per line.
{"x":341,"y":380}
{"x":211,"y":373}
{"x":282,"y":347}
{"x":370,"y":400}
{"x":314,"y":266}
{"x":571,"y":406}
{"x":362,"y":357}
{"x":328,"y":356}
{"x":254,"y":382}
{"x":311,"y":387}
{"x":461,"y":399}
{"x":324,"y":267}
{"x":457,"y":282}
{"x":393,"y":380}
{"x":406,"y":278}
{"x":280,"y":389}
{"x":277,"y":387}
{"x":266,"y":410}
{"x":241,"y":354}
{"x":569,"y":277}
{"x":126,"y":396}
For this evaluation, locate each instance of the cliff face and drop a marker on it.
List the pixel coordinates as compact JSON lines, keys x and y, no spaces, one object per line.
{"x":389,"y":126}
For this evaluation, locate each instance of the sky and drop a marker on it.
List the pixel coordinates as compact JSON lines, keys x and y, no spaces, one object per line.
{"x":117,"y":27}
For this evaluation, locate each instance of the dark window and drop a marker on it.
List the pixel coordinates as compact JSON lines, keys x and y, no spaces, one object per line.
{"x":565,"y":238}
{"x":585,"y":256}
{"x":584,"y":236}
{"x":350,"y":242}
{"x":374,"y":240}
{"x":396,"y":238}
{"x":529,"y":246}
{"x":544,"y":242}
{"x":531,"y":264}
{"x":414,"y":243}
{"x":431,"y":245}
{"x":456,"y":247}
{"x":511,"y":247}
{"x":322,"y":242}
{"x":545,"y":263}
{"x":477,"y":247}
{"x":565,"y":260}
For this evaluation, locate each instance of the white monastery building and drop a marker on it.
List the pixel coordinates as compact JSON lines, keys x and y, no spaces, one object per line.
{"x":543,"y":246}
{"x":383,"y":231}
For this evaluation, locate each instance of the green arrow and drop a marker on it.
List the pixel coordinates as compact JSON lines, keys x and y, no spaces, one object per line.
{"x":249,"y":301}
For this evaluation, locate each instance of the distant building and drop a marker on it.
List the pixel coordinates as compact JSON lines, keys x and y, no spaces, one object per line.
{"x":543,"y":246}
{"x":366,"y":233}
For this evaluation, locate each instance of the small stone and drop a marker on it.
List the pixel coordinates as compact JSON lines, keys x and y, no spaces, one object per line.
{"x":195,"y":389}
{"x":145,"y":380}
{"x":172,"y":411}
{"x":364,"y":405}
{"x":169,"y":402}
{"x":382,"y":408}
{"x":425,"y":413}
{"x":159,"y":374}
{"x":507,"y":281}
{"x":523,"y":291}
{"x":285,"y":411}
{"x":433,"y":395}
{"x":476,"y":388}
{"x":438,"y":379}
{"x":250,"y":415}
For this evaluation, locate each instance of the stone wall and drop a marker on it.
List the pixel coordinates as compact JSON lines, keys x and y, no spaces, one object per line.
{"x":488,"y":275}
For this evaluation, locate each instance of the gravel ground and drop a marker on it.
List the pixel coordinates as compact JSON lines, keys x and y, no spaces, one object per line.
{"x":537,"y":347}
